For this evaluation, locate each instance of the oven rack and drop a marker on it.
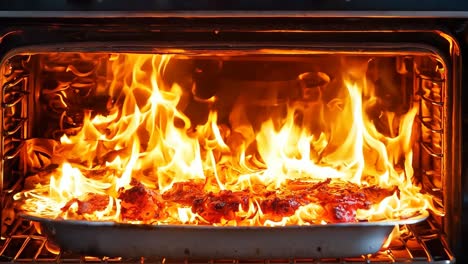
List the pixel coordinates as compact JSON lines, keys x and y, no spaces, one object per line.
{"x":430,"y":113}
{"x":14,"y":113}
{"x":420,"y":243}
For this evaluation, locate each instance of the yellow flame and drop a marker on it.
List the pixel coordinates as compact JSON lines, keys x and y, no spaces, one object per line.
{"x":148,"y":138}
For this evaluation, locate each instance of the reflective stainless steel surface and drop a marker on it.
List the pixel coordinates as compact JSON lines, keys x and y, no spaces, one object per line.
{"x":195,"y":242}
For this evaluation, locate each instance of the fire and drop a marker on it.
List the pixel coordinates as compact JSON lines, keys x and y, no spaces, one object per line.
{"x":311,"y":161}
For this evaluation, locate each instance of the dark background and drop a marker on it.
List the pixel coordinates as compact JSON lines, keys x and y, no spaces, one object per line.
{"x":298,"y":5}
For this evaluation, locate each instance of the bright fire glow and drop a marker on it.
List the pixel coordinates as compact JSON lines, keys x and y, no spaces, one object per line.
{"x":147,"y":140}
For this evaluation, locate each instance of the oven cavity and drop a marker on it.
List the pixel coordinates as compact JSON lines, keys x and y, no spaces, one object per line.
{"x":251,"y":139}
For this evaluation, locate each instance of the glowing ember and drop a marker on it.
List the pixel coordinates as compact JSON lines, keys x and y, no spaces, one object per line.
{"x":317,"y":162}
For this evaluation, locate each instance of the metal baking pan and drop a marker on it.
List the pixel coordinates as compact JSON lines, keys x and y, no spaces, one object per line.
{"x":210,"y":242}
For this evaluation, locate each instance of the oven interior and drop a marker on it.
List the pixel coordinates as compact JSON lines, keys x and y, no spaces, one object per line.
{"x":44,"y":94}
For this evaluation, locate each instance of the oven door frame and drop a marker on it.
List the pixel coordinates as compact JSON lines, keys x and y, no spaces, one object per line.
{"x":204,"y":30}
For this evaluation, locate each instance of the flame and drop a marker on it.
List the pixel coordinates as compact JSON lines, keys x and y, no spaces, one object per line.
{"x":148,"y":138}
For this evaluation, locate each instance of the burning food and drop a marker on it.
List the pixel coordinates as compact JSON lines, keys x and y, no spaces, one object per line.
{"x":275,"y":157}
{"x":139,"y":203}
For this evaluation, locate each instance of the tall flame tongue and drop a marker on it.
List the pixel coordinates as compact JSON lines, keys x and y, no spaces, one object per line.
{"x":316,"y":162}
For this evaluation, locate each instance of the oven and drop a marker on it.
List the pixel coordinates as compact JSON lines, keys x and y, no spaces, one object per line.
{"x":63,"y":64}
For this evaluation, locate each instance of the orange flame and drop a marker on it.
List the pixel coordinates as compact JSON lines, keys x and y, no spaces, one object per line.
{"x":148,"y":138}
